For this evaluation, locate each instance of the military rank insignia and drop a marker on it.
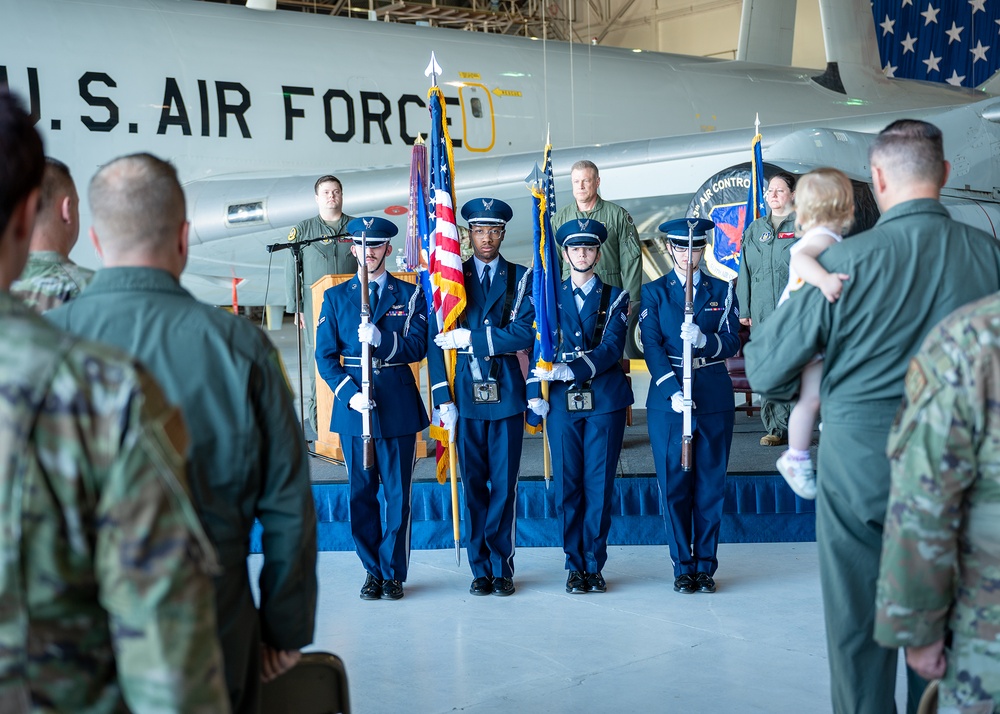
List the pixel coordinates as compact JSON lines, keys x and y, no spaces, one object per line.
{"x":292,"y":235}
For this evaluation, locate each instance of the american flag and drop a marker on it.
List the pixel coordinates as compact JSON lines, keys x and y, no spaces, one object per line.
{"x":444,"y":258}
{"x":444,"y":254}
{"x":953,"y":41}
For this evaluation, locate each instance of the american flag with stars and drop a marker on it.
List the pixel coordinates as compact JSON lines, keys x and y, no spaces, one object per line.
{"x":953,"y":41}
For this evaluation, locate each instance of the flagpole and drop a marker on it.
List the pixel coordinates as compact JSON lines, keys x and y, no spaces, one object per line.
{"x":547,"y":457}
{"x":432,"y":71}
{"x":540,"y":187}
{"x":453,"y":465}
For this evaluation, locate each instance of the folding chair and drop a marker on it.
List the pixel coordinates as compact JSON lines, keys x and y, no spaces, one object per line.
{"x":317,"y":684}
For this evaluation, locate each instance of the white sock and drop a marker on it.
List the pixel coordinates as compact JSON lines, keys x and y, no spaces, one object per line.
{"x":798,"y":454}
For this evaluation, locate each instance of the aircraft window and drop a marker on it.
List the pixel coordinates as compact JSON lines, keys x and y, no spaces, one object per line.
{"x":238,"y":214}
{"x":476,"y":105}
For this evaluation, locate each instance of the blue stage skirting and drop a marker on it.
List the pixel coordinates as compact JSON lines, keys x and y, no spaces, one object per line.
{"x":758,"y":509}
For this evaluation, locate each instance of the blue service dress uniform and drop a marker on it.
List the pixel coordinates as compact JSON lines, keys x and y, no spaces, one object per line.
{"x":401,"y":317}
{"x":490,"y":435}
{"x":586,"y":445}
{"x":692,"y":500}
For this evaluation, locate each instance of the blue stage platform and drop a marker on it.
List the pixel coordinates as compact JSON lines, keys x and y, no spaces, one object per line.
{"x":757,"y":509}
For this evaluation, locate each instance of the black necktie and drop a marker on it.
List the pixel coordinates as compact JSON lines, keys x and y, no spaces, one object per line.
{"x":374,"y":297}
{"x":486,"y":280}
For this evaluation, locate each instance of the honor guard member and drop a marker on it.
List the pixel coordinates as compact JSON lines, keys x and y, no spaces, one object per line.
{"x":588,"y":397}
{"x":691,"y":500}
{"x":489,"y":393}
{"x":397,"y":333}
{"x":331,"y":256}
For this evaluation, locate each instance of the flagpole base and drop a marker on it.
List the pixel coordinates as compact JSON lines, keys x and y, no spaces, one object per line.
{"x":458,"y":554}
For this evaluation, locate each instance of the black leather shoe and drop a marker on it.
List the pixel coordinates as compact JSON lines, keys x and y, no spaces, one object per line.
{"x":481,"y":586}
{"x":392,"y":590}
{"x":595,"y":582}
{"x":372,"y":589}
{"x":705,"y":583}
{"x":576,"y":583}
{"x":685,"y":584}
{"x":503,"y":587}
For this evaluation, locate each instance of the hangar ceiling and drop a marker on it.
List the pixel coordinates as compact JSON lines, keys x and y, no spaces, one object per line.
{"x":587,"y":21}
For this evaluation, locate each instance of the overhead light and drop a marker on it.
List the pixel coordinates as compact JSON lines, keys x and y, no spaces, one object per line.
{"x":268,"y":5}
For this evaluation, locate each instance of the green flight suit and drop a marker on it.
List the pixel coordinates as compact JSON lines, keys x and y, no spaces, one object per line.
{"x":764,"y":259}
{"x":247,"y":458}
{"x":106,"y":601}
{"x":941,"y":549}
{"x":908,"y":272}
{"x":332,"y":257}
{"x":48,"y":280}
{"x":621,"y":255}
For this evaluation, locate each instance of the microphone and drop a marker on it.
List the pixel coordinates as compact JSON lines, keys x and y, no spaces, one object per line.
{"x":274,"y":247}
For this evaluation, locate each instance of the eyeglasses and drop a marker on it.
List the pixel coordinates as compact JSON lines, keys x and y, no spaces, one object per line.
{"x":486,"y":231}
{"x":678,"y":249}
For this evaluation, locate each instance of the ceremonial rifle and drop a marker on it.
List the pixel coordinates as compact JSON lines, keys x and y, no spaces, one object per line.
{"x":687,"y":450}
{"x":368,"y":460}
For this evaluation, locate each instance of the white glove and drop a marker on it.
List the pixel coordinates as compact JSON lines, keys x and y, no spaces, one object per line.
{"x":677,"y":402}
{"x":449,"y":418}
{"x":359,"y":404}
{"x":560,"y":372}
{"x":367,"y":332}
{"x":690,"y":332}
{"x":539,"y":406}
{"x":456,"y":339}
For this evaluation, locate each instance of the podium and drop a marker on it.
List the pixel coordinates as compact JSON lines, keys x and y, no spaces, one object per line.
{"x":328,"y":442}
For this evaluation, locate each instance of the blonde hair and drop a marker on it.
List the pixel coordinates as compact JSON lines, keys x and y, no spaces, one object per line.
{"x":824,"y":197}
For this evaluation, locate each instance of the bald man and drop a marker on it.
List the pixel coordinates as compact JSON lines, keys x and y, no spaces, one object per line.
{"x":50,"y":278}
{"x":247,"y":459}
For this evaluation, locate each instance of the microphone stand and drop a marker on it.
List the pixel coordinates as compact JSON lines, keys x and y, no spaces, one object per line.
{"x":296,"y":248}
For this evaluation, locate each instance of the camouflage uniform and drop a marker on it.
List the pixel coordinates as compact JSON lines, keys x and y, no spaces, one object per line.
{"x":941,"y":548}
{"x":318,"y":260}
{"x":621,"y":255}
{"x":247,"y":458}
{"x":105,"y":600}
{"x":49,"y":280}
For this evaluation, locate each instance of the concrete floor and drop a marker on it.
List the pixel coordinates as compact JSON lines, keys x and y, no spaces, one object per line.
{"x":757,"y":645}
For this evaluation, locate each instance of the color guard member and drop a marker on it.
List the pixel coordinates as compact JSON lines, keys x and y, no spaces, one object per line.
{"x":589,"y":395}
{"x":398,"y":336}
{"x":490,"y":393}
{"x":691,"y":500}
